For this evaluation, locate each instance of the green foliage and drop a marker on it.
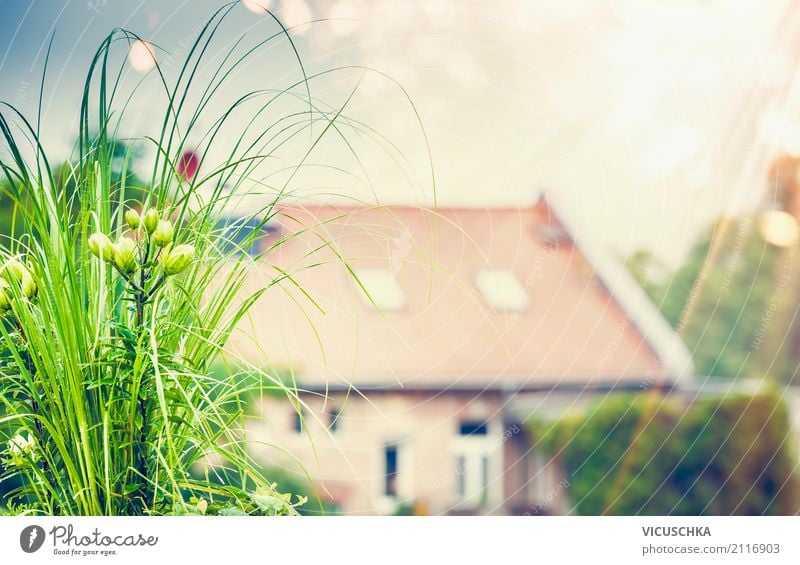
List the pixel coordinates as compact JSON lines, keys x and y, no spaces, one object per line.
{"x":114,"y":319}
{"x":656,"y":455}
{"x":106,"y":393}
{"x":732,"y":301}
{"x":282,"y":480}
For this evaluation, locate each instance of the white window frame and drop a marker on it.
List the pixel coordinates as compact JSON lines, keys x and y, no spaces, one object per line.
{"x":482,"y":474}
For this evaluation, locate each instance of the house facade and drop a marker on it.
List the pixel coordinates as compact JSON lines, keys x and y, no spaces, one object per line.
{"x":422,"y":341}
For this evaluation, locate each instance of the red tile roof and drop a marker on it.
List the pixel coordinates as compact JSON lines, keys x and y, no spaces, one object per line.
{"x":573,"y":332}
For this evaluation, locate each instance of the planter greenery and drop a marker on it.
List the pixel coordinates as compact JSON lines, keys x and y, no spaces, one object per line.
{"x":118,"y":295}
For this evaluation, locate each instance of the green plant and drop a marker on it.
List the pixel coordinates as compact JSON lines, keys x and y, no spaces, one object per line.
{"x":718,"y":456}
{"x":119,"y":294}
{"x":731,"y":301}
{"x":105,"y":365}
{"x":105,"y":383}
{"x":282,"y":479}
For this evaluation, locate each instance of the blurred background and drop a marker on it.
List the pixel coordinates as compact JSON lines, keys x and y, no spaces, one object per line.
{"x":575,"y":238}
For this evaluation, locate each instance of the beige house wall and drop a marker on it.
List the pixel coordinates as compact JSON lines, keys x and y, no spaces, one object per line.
{"x":348,"y":464}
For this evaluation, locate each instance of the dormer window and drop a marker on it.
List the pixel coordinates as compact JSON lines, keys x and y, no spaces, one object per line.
{"x":382,"y":287}
{"x":502,"y":290}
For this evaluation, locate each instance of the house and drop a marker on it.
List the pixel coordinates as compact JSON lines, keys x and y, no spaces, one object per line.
{"x":417,"y":374}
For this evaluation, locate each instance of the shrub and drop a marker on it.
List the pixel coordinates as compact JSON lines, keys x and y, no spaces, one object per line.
{"x":656,"y":455}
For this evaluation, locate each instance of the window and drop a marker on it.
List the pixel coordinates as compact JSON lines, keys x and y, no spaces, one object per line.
{"x":472,"y":428}
{"x":472,"y":477}
{"x":390,"y":454}
{"x":485,"y":472}
{"x":461,"y":469}
{"x":382,"y":288}
{"x":474,"y":462}
{"x":502,"y":290}
{"x":333,"y":419}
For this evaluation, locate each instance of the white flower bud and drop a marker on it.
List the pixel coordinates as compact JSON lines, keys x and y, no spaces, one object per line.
{"x":125,"y":255}
{"x":101,"y":246}
{"x":14,"y":271}
{"x":29,"y":288}
{"x":177,"y":259}
{"x":163,"y":234}
{"x":132,"y":219}
{"x":150,"y":220}
{"x":5,"y":299}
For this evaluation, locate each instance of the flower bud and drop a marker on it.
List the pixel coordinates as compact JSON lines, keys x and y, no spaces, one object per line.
{"x":29,"y":288}
{"x":150,"y":220}
{"x":5,"y":299}
{"x":14,"y":270}
{"x":125,"y":255}
{"x":101,"y":246}
{"x":132,"y":219}
{"x":177,"y":259}
{"x":163,"y":234}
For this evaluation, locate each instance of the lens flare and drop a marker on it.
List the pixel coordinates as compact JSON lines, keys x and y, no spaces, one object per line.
{"x":296,"y":14}
{"x":344,"y":17}
{"x":259,"y":7}
{"x":778,"y":228}
{"x":141,"y":56}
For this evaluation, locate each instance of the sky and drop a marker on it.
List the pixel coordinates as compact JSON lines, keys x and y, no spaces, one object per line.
{"x":645,"y":119}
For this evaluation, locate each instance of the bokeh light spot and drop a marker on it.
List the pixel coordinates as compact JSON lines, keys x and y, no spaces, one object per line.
{"x":296,"y":14}
{"x":778,"y":227}
{"x":344,"y":17}
{"x":257,"y":6}
{"x":141,"y":56}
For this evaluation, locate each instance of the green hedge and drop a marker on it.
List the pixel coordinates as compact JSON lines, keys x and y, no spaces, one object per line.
{"x":721,"y":456}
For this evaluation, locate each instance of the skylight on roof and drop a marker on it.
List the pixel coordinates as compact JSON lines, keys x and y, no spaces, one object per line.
{"x":382,"y":287}
{"x":502,"y":290}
